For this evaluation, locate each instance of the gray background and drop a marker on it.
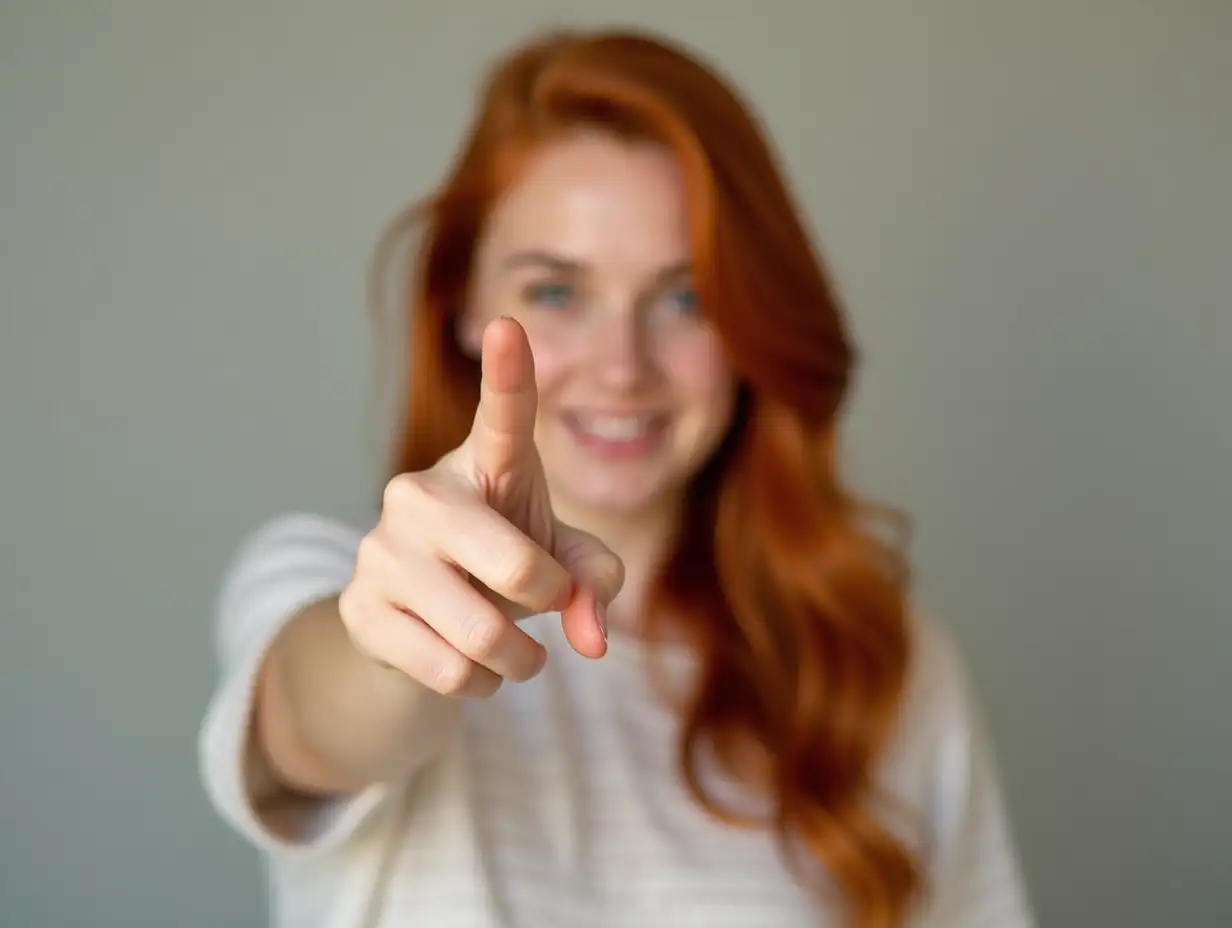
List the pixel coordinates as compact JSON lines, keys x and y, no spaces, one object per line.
{"x":1028,"y":207}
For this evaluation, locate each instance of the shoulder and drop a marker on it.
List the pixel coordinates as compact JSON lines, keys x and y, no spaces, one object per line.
{"x":939,"y":696}
{"x":281,"y":564}
{"x":940,"y":751}
{"x":298,"y":532}
{"x":290,"y":540}
{"x":943,"y":764}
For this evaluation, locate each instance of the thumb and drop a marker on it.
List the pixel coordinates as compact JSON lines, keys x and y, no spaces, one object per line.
{"x":598,"y":575}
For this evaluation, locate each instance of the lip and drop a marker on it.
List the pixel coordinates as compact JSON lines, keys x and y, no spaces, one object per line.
{"x":612,"y":434}
{"x":646,"y":412}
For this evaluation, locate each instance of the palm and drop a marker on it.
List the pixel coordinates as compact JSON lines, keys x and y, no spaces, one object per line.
{"x":521,"y":496}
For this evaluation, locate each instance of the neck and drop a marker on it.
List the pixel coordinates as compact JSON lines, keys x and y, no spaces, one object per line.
{"x":640,"y":540}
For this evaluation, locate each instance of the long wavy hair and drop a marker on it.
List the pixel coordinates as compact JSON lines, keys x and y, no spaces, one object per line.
{"x":779,"y":578}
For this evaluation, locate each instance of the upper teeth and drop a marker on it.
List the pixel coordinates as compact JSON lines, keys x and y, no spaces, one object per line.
{"x":616,"y":428}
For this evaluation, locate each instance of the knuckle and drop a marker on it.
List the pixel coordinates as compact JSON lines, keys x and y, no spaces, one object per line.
{"x":451,"y":675}
{"x":356,"y":611}
{"x":380,"y":560}
{"x":529,"y":669}
{"x":482,"y":636}
{"x":366,"y":637}
{"x":347,"y":606}
{"x":614,"y":576}
{"x":487,"y":688}
{"x":397,"y":491}
{"x":405,"y":492}
{"x":370,"y":555}
{"x":517,"y":570}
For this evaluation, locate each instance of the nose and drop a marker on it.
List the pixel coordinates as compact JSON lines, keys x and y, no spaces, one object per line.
{"x":620,"y":350}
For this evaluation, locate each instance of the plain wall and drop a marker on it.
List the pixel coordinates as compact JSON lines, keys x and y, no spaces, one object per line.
{"x":1028,"y":208}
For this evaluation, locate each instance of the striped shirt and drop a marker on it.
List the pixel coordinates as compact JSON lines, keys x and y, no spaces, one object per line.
{"x":558,"y":802}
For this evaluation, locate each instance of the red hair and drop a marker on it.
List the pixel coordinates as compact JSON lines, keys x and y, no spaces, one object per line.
{"x":793,"y":603}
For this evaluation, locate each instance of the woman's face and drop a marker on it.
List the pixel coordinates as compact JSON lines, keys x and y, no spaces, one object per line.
{"x":589,"y":251}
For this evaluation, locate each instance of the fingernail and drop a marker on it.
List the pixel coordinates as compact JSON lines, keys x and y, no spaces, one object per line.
{"x":601,"y":612}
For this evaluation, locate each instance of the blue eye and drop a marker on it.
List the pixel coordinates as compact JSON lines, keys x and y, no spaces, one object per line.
{"x":552,"y":294}
{"x":685,"y":299}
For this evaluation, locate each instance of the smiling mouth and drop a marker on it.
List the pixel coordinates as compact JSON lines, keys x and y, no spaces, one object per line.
{"x":617,"y":433}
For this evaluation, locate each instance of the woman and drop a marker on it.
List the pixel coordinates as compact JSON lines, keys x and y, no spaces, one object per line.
{"x":621,"y":649}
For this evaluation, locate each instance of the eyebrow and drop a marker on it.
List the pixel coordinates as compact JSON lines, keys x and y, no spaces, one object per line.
{"x":562,"y":265}
{"x":542,"y":259}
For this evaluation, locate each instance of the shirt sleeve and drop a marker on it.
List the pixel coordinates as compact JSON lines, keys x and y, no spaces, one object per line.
{"x":284,"y":566}
{"x":973,"y":872}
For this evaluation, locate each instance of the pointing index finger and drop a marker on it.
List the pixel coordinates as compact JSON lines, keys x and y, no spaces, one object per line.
{"x":504,"y":427}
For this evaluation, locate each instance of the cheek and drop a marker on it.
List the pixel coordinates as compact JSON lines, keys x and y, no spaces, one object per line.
{"x":553,"y":360}
{"x":704,"y":376}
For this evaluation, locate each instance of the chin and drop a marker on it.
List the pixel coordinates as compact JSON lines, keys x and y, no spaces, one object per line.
{"x":618,"y":499}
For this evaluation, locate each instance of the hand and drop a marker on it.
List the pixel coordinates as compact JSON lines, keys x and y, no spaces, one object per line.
{"x":466,"y":548}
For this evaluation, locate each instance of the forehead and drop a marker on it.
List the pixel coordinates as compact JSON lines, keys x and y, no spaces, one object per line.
{"x":598,"y":200}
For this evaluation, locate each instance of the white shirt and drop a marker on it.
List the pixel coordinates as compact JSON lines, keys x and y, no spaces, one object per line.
{"x":558,"y":803}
